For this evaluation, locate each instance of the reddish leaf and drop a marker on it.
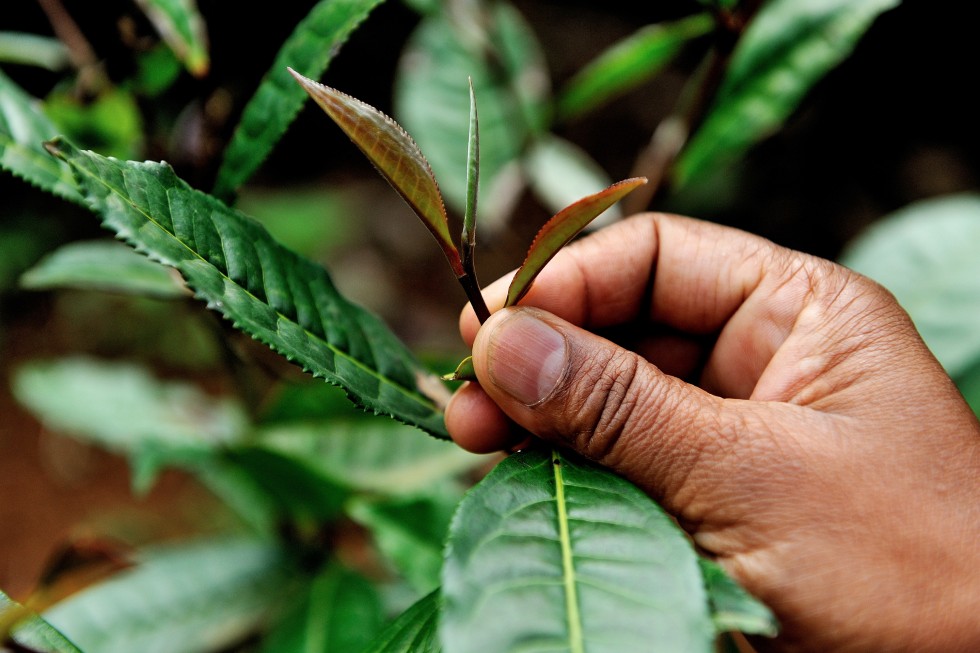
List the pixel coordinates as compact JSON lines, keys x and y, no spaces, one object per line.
{"x":394,"y":154}
{"x":560,"y":229}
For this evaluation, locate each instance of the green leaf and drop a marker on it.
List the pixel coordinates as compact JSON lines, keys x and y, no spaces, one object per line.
{"x":410,"y":531}
{"x":560,"y":172}
{"x":494,"y":46}
{"x":732,"y":608}
{"x":281,"y":299}
{"x":551,"y":553}
{"x":468,"y":240}
{"x":628,"y":63}
{"x":464,"y":371}
{"x":969,"y":384}
{"x":415,"y":631}
{"x":30,"y":631}
{"x":192,"y":596}
{"x":560,"y":229}
{"x":308,"y":50}
{"x":122,"y":408}
{"x":926,"y":255}
{"x":33,"y":50}
{"x":394,"y":154}
{"x":181,"y":26}
{"x":341,"y":611}
{"x":787,"y":48}
{"x":368,"y":455}
{"x":102,"y":265}
{"x":23,"y":128}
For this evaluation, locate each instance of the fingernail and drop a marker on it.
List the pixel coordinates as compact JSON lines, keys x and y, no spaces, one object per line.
{"x":526,"y":357}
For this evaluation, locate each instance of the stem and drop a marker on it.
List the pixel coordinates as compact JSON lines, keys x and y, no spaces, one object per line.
{"x":472,"y":289}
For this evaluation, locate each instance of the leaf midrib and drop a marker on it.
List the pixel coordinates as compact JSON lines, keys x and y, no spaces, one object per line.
{"x":340,"y":352}
{"x":572,"y":612}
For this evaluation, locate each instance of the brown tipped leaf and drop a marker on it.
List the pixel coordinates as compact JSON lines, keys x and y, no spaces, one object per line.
{"x":560,"y":229}
{"x":394,"y":154}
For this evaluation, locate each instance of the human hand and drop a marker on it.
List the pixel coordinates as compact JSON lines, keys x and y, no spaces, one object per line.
{"x":783,"y":408}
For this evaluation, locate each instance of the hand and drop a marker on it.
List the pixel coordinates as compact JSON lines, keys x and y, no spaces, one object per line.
{"x":783,"y":408}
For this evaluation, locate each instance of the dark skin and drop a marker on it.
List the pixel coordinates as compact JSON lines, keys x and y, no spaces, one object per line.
{"x":782,"y":407}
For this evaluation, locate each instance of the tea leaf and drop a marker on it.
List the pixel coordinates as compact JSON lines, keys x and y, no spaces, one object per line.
{"x":30,"y":631}
{"x":732,"y":608}
{"x":464,"y":371}
{"x":787,"y":48}
{"x":308,"y":50}
{"x":560,"y":229}
{"x":415,"y":631}
{"x":628,"y":63}
{"x":206,"y":595}
{"x":468,"y":240}
{"x":23,"y":128}
{"x":280,"y":298}
{"x":551,"y":551}
{"x":394,"y":154}
{"x":181,"y":26}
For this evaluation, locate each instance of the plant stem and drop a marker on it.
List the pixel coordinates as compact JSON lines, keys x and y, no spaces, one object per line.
{"x":472,"y":289}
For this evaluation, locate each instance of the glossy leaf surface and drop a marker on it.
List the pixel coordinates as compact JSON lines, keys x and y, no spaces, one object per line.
{"x":308,"y":50}
{"x":732,"y":608}
{"x":560,"y":229}
{"x":628,"y":63}
{"x":23,"y":129}
{"x":182,"y":27}
{"x":926,"y":255}
{"x":340,"y":611}
{"x":281,"y":299}
{"x":394,"y":154}
{"x":494,"y":46}
{"x":204,"y":595}
{"x":415,"y":631}
{"x":31,"y":631}
{"x":551,"y":553}
{"x":102,"y":265}
{"x":787,"y":48}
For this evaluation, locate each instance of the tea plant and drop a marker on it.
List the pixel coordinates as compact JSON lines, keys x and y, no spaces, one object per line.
{"x":519,"y":560}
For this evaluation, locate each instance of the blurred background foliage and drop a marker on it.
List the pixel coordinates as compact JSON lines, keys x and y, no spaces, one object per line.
{"x":876,"y":164}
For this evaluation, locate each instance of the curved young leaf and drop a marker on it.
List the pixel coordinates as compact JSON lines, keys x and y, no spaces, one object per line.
{"x":551,"y":553}
{"x":204,"y":595}
{"x":415,"y":631}
{"x":23,"y":128}
{"x":181,"y":26}
{"x":732,"y":608}
{"x":30,"y":631}
{"x":102,"y":265}
{"x":628,"y":63}
{"x":394,"y":154}
{"x":341,"y":611}
{"x":281,"y":299}
{"x":787,"y":48}
{"x":560,"y":229}
{"x":492,"y":44}
{"x":308,"y":50}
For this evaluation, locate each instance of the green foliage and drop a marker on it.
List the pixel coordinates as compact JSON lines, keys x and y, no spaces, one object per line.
{"x":33,"y":50}
{"x":182,"y":28}
{"x":23,"y":128}
{"x":732,"y":608}
{"x":786,"y":49}
{"x":30,"y":631}
{"x":277,"y":101}
{"x":193,"y":596}
{"x":415,"y":631}
{"x":271,"y":293}
{"x":102,"y":265}
{"x":110,"y":123}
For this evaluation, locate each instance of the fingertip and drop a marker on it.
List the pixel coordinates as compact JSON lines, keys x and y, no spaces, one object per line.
{"x":476,"y":423}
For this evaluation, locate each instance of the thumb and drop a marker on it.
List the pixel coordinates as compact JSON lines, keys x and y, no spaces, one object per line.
{"x":576,"y":389}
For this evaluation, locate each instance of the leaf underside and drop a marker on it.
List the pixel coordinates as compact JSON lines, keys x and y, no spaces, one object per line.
{"x":31,"y":631}
{"x":278,"y":297}
{"x":560,"y":229}
{"x":308,"y":50}
{"x":551,"y":553}
{"x":395,"y":155}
